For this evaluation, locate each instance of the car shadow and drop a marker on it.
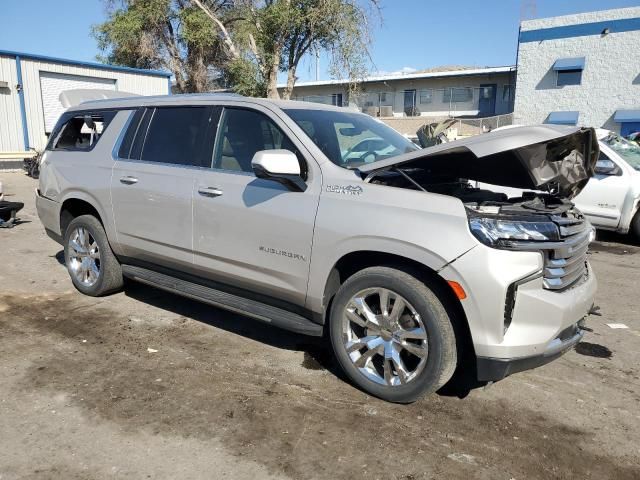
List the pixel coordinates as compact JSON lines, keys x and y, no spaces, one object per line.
{"x":616,"y":243}
{"x":317,"y":351}
{"x":607,"y":236}
{"x":59,"y":257}
{"x":462,"y":383}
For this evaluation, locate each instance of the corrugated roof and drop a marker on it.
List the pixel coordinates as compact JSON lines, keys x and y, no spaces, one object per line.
{"x":413,"y":76}
{"x":101,"y":66}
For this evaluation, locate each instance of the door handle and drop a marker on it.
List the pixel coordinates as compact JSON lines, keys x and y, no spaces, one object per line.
{"x":209,"y":191}
{"x":128,"y":180}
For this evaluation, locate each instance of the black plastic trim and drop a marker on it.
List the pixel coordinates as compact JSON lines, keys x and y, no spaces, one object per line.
{"x":510,"y":299}
{"x":494,"y":369}
{"x":227,"y":297}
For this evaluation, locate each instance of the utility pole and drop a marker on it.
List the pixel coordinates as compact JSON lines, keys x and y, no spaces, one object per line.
{"x":528,"y":9}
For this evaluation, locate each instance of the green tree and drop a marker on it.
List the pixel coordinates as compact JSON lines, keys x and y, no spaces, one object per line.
{"x":166,"y":34}
{"x":274,"y":35}
{"x":244,"y":44}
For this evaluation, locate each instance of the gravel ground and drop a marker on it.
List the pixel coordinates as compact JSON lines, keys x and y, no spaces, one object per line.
{"x":144,"y":384}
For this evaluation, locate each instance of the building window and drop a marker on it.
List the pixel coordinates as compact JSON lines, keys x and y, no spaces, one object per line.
{"x":457,"y":95}
{"x":336,"y":99}
{"x":487,"y":92}
{"x":569,"y":71}
{"x":569,"y":77}
{"x":506,"y":93}
{"x":383,"y":96}
{"x":426,"y":96}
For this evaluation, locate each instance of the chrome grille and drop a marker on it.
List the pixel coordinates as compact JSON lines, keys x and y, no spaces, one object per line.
{"x":565,"y":263}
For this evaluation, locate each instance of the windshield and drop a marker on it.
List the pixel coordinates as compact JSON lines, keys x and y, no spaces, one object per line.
{"x":350,"y":139}
{"x":629,"y":151}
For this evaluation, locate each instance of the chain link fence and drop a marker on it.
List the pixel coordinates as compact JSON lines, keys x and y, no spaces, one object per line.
{"x":467,"y":127}
{"x":463,"y":127}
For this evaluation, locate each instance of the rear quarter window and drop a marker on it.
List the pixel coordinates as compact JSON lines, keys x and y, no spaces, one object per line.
{"x":80,"y":131}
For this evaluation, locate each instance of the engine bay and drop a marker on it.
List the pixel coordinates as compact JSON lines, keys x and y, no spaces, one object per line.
{"x":475,"y":198}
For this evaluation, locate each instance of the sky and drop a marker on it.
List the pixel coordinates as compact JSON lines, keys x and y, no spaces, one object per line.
{"x":413,"y":34}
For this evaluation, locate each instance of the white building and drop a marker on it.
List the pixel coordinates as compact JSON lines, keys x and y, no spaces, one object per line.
{"x":471,"y":92}
{"x":580,"y":69}
{"x":31,"y":84}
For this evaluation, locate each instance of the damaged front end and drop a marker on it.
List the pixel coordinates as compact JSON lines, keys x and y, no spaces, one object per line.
{"x":516,"y":186}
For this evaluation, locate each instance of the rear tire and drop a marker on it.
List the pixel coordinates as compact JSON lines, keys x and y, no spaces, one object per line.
{"x":92,"y":266}
{"x":635,"y":226}
{"x":397,"y":354}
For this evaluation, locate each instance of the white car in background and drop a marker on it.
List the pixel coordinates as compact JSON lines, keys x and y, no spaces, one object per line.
{"x":368,"y":150}
{"x":611,"y":198}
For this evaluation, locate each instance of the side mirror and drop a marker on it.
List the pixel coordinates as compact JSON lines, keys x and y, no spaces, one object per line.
{"x":606,"y":167}
{"x":281,"y":166}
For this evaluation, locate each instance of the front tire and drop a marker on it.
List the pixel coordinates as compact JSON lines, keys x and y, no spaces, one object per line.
{"x":391,"y":335}
{"x":92,"y":266}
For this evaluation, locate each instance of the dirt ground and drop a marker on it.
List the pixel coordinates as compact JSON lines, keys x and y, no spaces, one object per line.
{"x":144,"y":384}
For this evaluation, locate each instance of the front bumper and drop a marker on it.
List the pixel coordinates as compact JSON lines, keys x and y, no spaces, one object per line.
{"x":494,"y":369}
{"x":542,"y":324}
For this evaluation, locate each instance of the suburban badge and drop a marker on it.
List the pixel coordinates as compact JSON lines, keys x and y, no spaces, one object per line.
{"x":345,"y":189}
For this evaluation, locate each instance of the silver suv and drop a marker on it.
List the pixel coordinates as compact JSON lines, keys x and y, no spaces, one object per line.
{"x":262,"y":207}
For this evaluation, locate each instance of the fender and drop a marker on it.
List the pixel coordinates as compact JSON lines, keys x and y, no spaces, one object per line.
{"x":322,"y":266}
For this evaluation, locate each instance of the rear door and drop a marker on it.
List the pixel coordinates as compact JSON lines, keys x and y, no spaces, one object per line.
{"x":152,"y":183}
{"x":253,"y":233}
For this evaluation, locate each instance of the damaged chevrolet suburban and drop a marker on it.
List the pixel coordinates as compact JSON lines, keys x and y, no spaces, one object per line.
{"x":262,"y":207}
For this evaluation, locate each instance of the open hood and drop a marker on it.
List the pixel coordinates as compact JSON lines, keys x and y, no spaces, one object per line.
{"x":553,"y":158}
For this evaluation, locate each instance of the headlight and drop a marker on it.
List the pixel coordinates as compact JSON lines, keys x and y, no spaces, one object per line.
{"x":498,"y":233}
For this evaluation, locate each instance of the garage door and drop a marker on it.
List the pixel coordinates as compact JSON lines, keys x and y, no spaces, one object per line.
{"x":52,"y":84}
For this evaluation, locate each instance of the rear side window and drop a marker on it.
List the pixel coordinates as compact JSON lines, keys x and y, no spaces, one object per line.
{"x":177,"y":135}
{"x":82,"y":131}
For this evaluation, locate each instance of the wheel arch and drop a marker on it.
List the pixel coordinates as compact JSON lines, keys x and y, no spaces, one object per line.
{"x":353,"y":262}
{"x":73,"y":207}
{"x":79,"y":203}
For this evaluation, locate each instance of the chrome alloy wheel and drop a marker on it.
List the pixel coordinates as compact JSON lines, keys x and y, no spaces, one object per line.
{"x":384,"y":336}
{"x":84,"y":257}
